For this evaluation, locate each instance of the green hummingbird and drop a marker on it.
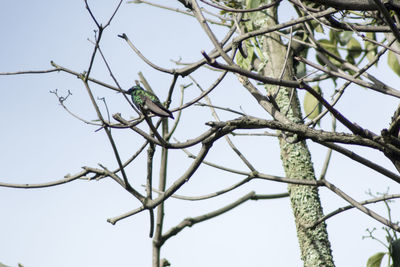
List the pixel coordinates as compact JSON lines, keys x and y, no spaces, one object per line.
{"x":146,"y":101}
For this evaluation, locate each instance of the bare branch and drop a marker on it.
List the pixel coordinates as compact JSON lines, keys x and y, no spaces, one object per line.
{"x":173,"y":188}
{"x":328,"y":154}
{"x":188,"y":143}
{"x":228,"y":140}
{"x":151,"y":64}
{"x":382,"y":89}
{"x":29,"y":72}
{"x":360,"y":207}
{"x":67,"y":179}
{"x":345,"y":208}
{"x":211,"y":195}
{"x":362,"y":160}
{"x":228,"y":9}
{"x":177,"y":10}
{"x":61,"y":100}
{"x":189,"y":222}
{"x":363,"y":5}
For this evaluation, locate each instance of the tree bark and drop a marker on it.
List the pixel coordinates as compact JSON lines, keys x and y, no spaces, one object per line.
{"x":314,"y":243}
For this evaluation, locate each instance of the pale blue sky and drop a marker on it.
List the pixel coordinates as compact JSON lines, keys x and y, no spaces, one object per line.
{"x":66,"y":225}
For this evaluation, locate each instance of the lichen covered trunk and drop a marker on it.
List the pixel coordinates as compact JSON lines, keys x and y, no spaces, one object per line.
{"x":314,"y":243}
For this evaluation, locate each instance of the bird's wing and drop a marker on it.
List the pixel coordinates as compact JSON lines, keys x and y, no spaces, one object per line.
{"x":157,"y":108}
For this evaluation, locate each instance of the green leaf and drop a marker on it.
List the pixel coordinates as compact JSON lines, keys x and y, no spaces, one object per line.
{"x":393,"y":62}
{"x":252,"y":4}
{"x":300,"y":67}
{"x":350,"y":59}
{"x":312,"y":107}
{"x":253,"y":18}
{"x":395,"y":252}
{"x":317,"y":26}
{"x":345,"y":37}
{"x":375,"y":260}
{"x":334,"y":37}
{"x":331,"y":48}
{"x":301,"y":70}
{"x":371,"y":35}
{"x":354,"y":48}
{"x":243,"y":62}
{"x":370,"y":47}
{"x":371,"y":55}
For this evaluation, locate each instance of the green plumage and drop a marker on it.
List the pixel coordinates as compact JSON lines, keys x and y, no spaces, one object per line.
{"x":146,"y":101}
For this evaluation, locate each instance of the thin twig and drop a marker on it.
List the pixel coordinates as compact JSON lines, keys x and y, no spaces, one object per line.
{"x":149,"y":183}
{"x":211,"y":195}
{"x":29,"y":72}
{"x":67,"y":179}
{"x":189,"y":222}
{"x":220,"y":108}
{"x":328,"y":153}
{"x":360,"y":207}
{"x":62,"y":99}
{"x":345,"y":208}
{"x":151,"y":64}
{"x":362,"y":160}
{"x":234,"y":10}
{"x":388,"y":19}
{"x":381,"y":89}
{"x":173,"y":188}
{"x":228,"y":140}
{"x":177,"y":10}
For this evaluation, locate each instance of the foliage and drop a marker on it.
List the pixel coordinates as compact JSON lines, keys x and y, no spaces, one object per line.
{"x":392,"y":244}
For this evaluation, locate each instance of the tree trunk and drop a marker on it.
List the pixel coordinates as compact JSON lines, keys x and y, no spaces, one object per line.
{"x":314,"y":243}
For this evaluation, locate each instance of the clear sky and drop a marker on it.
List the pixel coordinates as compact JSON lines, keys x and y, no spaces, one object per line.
{"x":40,"y":142}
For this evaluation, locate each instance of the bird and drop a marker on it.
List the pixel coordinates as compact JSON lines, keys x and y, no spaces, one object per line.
{"x":146,"y":101}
